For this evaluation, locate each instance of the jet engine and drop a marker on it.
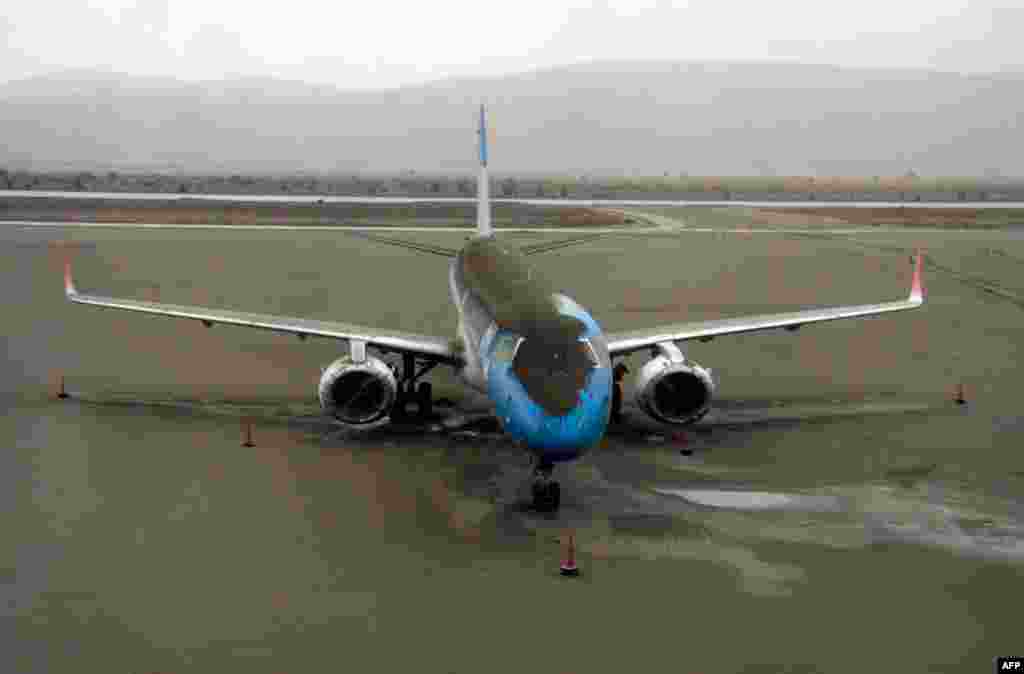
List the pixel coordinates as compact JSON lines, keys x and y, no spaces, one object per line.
{"x":673,"y":389}
{"x":357,"y":394}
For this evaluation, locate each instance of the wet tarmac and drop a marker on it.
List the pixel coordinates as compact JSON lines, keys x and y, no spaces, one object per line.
{"x":141,"y":536}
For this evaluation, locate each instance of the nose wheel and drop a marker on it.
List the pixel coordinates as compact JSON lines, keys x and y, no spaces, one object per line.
{"x":547,"y":493}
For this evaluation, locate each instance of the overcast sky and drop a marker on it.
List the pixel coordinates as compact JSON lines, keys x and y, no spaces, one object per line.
{"x":385,"y":43}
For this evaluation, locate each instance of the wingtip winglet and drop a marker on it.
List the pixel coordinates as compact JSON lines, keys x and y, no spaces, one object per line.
{"x":917,"y":286}
{"x":69,"y":283}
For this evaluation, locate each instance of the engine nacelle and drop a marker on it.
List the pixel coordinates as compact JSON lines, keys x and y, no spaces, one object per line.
{"x":674,"y":390}
{"x":357,"y":393}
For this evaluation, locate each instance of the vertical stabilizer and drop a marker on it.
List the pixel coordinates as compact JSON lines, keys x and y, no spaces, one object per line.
{"x":483,"y":206}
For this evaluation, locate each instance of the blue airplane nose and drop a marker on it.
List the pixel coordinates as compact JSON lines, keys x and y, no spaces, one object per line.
{"x":559,"y":437}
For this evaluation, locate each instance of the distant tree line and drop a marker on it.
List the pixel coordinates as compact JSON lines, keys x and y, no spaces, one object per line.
{"x":907,"y":187}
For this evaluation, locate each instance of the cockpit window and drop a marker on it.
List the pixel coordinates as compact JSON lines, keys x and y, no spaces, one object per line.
{"x":554,"y":371}
{"x":506,"y":346}
{"x":559,"y":357}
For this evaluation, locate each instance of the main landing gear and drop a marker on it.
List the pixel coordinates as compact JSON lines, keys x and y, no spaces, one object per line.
{"x":547,"y":493}
{"x":408,"y":391}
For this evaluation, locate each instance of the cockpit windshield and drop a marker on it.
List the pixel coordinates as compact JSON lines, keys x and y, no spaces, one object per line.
{"x":554,"y":370}
{"x":590,"y":353}
{"x":506,"y":345}
{"x":558,"y":357}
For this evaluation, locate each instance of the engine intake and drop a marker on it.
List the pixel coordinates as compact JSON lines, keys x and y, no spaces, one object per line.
{"x":674,"y":390}
{"x":357,"y":393}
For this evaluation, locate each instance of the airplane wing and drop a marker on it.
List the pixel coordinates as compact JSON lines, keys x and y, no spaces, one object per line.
{"x":622,"y":343}
{"x":437,"y":348}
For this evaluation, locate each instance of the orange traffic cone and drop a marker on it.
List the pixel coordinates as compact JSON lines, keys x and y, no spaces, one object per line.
{"x":247,"y":426}
{"x":568,"y":566}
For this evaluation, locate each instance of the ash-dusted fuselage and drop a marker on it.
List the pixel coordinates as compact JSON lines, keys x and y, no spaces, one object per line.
{"x":537,"y":354}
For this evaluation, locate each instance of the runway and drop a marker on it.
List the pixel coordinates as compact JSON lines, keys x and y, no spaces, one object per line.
{"x":661,"y":229}
{"x":333,"y":199}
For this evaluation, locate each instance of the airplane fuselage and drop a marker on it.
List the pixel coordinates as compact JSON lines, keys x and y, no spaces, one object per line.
{"x":538,"y":355}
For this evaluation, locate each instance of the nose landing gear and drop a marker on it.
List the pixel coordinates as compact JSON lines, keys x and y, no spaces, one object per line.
{"x":547,"y":493}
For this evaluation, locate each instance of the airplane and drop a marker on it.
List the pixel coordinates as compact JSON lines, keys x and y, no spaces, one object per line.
{"x":542,"y":359}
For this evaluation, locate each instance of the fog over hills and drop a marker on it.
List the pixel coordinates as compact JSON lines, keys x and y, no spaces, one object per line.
{"x":600,"y":118}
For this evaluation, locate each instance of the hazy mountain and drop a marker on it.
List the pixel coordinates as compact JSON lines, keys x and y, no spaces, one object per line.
{"x":641,"y":117}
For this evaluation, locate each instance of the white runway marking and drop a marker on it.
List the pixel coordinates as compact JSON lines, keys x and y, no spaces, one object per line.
{"x":471,"y":230}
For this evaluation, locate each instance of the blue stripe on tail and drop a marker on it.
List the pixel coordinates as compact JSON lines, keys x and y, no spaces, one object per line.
{"x":483,"y":137}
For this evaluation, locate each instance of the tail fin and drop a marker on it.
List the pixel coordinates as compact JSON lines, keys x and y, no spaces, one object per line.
{"x":483,"y":206}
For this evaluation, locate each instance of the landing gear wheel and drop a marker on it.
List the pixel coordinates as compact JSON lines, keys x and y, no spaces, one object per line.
{"x":398,"y":408}
{"x":555,"y":495}
{"x":425,"y":400}
{"x":547,"y":496}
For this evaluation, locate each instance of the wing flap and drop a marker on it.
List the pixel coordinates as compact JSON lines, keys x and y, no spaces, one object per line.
{"x":388,"y":340}
{"x":622,"y":343}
